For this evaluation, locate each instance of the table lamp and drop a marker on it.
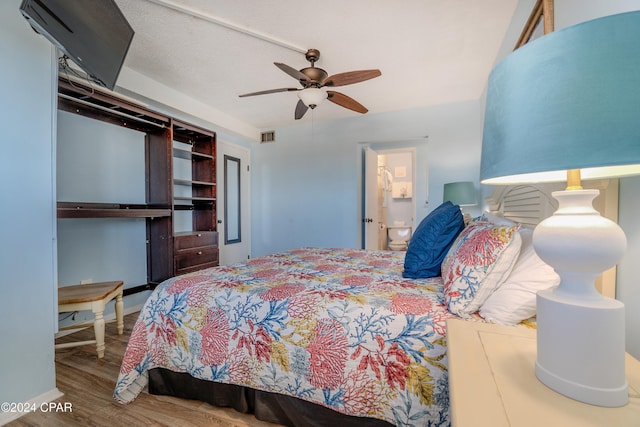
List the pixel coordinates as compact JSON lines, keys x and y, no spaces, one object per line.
{"x":460,"y":193}
{"x":567,"y":107}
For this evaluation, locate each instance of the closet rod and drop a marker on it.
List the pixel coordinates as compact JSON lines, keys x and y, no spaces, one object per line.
{"x":109,"y":110}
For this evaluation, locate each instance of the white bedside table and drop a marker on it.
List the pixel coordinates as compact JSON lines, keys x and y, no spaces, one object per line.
{"x":492,"y":383}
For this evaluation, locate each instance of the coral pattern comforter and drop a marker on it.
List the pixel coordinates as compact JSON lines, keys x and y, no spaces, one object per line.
{"x":338,"y":327}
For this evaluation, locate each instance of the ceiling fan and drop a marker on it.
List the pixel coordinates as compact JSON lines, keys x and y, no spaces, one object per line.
{"x":314,"y":79}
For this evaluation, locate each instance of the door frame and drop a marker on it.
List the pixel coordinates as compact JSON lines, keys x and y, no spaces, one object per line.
{"x":382,"y":149}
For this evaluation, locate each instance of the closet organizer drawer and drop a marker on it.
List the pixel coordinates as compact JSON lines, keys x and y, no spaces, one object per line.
{"x":195,"y":251}
{"x":187,"y":242}
{"x":196,"y":260}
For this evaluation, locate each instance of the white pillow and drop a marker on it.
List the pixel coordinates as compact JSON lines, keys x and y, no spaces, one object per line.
{"x":479,"y":260}
{"x":497,"y":219}
{"x":515,"y":299}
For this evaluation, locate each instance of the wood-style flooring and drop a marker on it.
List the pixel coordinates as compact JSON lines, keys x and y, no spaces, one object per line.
{"x":88,"y":384}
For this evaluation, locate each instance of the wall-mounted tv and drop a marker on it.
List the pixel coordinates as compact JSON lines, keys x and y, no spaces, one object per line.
{"x":93,"y":33}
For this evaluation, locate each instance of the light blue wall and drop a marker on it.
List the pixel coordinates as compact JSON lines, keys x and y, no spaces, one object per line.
{"x":27,"y":225}
{"x":109,"y":159}
{"x":304,"y":190}
{"x":628,"y":288}
{"x":306,"y":185}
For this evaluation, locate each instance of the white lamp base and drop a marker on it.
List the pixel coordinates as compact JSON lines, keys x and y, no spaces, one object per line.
{"x":581,"y":338}
{"x":581,"y":349}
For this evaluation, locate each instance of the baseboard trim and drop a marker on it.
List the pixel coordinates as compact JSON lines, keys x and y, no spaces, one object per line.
{"x":49,"y":396}
{"x":138,"y":289}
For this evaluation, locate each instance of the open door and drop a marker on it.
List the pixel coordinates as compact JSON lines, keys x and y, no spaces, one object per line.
{"x":370,"y":219}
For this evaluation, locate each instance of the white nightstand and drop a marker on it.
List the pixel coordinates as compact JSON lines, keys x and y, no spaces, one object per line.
{"x":492,"y":383}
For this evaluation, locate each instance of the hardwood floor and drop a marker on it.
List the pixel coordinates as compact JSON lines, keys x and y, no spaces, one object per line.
{"x":88,"y":384}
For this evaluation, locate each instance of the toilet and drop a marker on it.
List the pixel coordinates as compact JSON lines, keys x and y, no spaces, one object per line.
{"x":399,"y":236}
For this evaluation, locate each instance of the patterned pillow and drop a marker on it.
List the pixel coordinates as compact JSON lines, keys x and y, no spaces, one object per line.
{"x":479,"y":260}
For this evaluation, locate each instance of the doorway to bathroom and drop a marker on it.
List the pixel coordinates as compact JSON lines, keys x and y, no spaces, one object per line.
{"x":389,"y":198}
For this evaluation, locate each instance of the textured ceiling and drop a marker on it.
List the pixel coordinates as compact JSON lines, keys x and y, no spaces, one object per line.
{"x":430,"y":52}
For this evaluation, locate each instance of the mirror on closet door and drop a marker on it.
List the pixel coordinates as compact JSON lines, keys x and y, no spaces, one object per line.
{"x":232,"y":200}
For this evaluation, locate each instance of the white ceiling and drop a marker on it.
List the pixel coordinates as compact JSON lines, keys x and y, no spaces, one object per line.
{"x":430,"y":52}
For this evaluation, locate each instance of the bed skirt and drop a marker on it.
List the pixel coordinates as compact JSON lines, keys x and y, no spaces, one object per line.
{"x":265,"y":406}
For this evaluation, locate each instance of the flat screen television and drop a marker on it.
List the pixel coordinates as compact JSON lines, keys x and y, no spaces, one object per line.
{"x":93,"y":33}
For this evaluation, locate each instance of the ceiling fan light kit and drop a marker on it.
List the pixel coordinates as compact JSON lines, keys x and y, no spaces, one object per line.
{"x":314,"y":79}
{"x":312,"y":97}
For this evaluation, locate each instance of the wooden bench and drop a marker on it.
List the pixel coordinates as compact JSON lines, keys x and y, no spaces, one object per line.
{"x":92,"y":296}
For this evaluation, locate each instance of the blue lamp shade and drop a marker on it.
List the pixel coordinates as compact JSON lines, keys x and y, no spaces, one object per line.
{"x":568,"y":100}
{"x":460,"y":193}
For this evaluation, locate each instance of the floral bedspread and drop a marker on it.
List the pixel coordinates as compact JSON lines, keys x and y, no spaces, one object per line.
{"x":338,"y":327}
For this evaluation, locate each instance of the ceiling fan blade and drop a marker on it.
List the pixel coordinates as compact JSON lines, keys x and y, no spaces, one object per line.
{"x":292,"y":72}
{"x":300,"y":109}
{"x":351,"y":77}
{"x":344,"y":101}
{"x":264,"y":92}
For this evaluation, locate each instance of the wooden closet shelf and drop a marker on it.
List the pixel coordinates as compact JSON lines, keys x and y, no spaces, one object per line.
{"x":193,"y":183}
{"x":196,"y":199}
{"x":186,"y":154}
{"x":191,"y":134}
{"x":199,"y":207}
{"x":110,"y":210}
{"x":77,"y":97}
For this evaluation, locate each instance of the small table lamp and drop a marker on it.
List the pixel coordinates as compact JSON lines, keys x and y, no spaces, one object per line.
{"x":566,"y":106}
{"x":462,"y":194}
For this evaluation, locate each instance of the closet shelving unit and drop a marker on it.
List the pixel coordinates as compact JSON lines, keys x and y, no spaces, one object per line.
{"x":196,"y":248}
{"x":168,"y":253}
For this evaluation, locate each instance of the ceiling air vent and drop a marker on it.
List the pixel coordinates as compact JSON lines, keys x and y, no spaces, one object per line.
{"x":268,"y":137}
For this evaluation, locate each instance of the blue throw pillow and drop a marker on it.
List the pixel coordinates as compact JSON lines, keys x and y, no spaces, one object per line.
{"x":431,"y":241}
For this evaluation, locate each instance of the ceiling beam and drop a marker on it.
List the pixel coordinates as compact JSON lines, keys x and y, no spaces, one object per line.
{"x":226,"y":24}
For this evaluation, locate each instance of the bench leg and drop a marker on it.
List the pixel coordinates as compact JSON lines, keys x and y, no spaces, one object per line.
{"x":119,"y":313}
{"x":98,"y":327}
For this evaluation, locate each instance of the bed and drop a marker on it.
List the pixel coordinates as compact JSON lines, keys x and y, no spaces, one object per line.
{"x":318,"y":336}
{"x":338,"y":327}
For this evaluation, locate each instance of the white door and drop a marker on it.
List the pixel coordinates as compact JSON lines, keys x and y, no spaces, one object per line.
{"x":233,"y":202}
{"x":370,"y":215}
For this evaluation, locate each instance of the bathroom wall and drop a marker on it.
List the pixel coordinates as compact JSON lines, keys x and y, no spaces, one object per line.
{"x":396,"y":168}
{"x":401,"y":209}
